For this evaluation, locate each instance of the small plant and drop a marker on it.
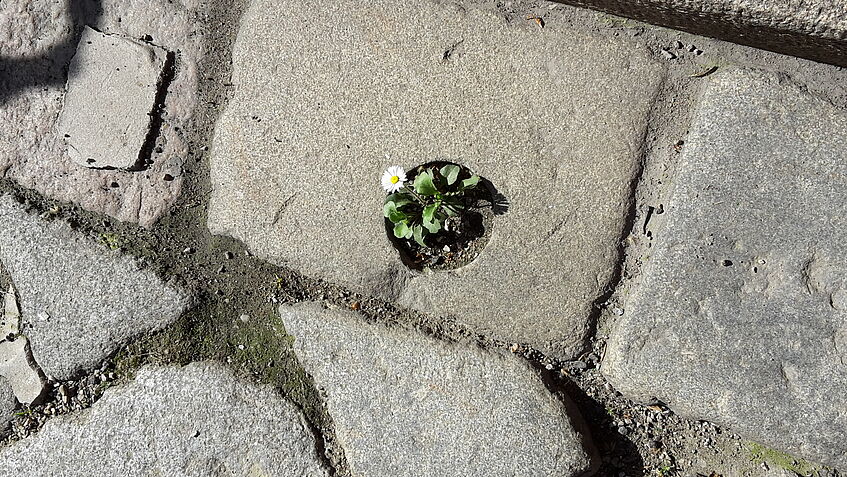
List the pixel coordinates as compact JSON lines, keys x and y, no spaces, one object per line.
{"x":436,"y":194}
{"x":111,"y":240}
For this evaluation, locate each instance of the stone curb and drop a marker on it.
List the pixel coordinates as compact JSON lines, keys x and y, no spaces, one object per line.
{"x":816,"y":29}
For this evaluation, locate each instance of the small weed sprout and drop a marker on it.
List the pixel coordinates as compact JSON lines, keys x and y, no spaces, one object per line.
{"x":111,"y":240}
{"x":420,"y":210}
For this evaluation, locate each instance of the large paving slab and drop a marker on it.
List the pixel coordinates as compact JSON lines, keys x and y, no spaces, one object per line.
{"x":298,"y":152}
{"x":195,"y":421}
{"x":79,"y":301}
{"x":404,"y":404}
{"x":37,"y":43}
{"x":741,"y":318}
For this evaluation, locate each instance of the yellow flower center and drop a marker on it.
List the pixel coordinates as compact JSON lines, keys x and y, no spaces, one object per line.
{"x":395,"y":179}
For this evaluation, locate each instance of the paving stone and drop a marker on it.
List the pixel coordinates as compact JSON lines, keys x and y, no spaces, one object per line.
{"x":299,"y":151}
{"x":37,"y":42}
{"x":15,"y":365}
{"x":11,"y":321}
{"x":195,"y":421}
{"x":8,"y":404}
{"x":404,"y":404}
{"x":79,"y":301}
{"x":815,"y":29}
{"x":111,"y":96}
{"x":739,"y":319}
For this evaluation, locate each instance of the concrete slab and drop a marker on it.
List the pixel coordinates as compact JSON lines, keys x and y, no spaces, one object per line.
{"x":196,"y":421}
{"x":79,"y":301}
{"x":36,"y":47}
{"x":741,"y":318}
{"x":109,"y":104}
{"x":299,"y":151}
{"x":406,"y":405}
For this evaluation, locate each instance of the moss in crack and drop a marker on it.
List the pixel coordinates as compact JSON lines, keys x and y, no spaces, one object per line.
{"x":774,"y":458}
{"x":254,"y":343}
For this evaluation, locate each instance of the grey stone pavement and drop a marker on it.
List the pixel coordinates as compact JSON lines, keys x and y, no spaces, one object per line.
{"x":199,"y":280}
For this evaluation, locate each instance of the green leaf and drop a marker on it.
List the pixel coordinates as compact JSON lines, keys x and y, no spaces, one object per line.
{"x":433,"y":226}
{"x":401,"y":230}
{"x":451,"y":173}
{"x":400,"y":199}
{"x":419,"y":233}
{"x":423,"y":184}
{"x":429,"y":211}
{"x":398,"y":216}
{"x":470,"y":182}
{"x":389,"y":208}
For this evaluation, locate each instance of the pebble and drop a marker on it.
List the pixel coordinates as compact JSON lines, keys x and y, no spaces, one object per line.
{"x":678,"y":44}
{"x":244,"y":317}
{"x":578,"y":365}
{"x":188,"y":250}
{"x":668,"y":54}
{"x":229,"y":255}
{"x":618,"y":311}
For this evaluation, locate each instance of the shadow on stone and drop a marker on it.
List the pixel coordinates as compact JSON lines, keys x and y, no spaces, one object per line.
{"x":49,"y":69}
{"x":611,"y":451}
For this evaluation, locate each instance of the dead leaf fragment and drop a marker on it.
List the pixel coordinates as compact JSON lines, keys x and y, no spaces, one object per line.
{"x":538,"y":20}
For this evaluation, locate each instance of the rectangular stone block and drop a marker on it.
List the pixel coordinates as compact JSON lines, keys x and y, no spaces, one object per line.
{"x":112,"y":87}
{"x":39,"y":41}
{"x":741,"y":316}
{"x":319,"y":111}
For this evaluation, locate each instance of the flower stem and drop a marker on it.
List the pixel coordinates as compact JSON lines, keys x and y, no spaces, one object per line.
{"x":415,"y":194}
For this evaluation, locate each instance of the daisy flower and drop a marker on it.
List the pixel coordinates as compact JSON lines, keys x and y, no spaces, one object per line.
{"x":393,"y":179}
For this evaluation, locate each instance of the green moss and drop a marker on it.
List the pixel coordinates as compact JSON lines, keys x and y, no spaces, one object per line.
{"x":111,"y":240}
{"x":761,"y":454}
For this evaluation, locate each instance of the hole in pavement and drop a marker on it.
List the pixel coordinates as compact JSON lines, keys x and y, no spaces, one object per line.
{"x":463,"y":237}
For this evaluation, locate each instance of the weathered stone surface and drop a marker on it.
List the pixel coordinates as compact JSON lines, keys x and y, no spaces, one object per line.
{"x":196,"y":421}
{"x":27,"y":384}
{"x":740,"y":318}
{"x":404,"y":404}
{"x":112,"y":86}
{"x":78,"y":300}
{"x":815,"y":29}
{"x":8,"y":403}
{"x":299,"y":151}
{"x":37,"y":41}
{"x":11,"y":321}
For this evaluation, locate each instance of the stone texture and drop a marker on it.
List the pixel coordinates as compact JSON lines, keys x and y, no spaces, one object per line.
{"x":15,"y":365}
{"x":299,"y":151}
{"x":79,"y":301}
{"x":37,"y":41}
{"x":111,"y":95}
{"x":11,"y":322}
{"x":815,"y":29}
{"x":740,"y":318}
{"x":8,"y":404}
{"x":195,"y":421}
{"x":404,"y":404}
